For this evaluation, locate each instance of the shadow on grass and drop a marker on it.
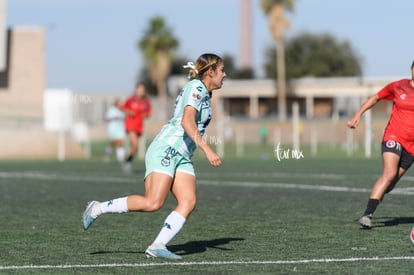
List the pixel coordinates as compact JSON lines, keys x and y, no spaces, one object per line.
{"x":393,"y":221}
{"x":184,"y":249}
{"x":194,"y":247}
{"x":116,"y":252}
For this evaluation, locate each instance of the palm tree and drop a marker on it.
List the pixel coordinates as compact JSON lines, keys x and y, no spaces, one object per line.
{"x":158,"y":45}
{"x":278,"y":24}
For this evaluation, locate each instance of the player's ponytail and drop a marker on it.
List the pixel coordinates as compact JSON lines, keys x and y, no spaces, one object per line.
{"x":202,"y":65}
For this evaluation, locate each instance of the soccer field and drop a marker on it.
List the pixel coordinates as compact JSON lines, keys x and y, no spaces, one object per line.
{"x":253,"y":217}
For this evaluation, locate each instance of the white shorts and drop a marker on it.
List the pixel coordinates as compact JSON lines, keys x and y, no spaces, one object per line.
{"x":162,"y":158}
{"x":116,"y":131}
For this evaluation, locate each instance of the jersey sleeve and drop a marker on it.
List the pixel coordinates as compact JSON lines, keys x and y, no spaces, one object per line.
{"x":387,"y":92}
{"x":194,"y":96}
{"x":126,"y":104}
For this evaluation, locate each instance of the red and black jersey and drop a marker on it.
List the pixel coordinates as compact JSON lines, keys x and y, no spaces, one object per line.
{"x":140,"y":109}
{"x":400,"y":126}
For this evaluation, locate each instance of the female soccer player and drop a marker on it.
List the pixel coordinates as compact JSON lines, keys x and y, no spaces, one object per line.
{"x":397,"y":142}
{"x":168,"y":159}
{"x":115,"y":131}
{"x":137,"y":108}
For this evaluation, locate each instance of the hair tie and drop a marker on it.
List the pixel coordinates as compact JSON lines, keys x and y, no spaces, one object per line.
{"x":191,"y":66}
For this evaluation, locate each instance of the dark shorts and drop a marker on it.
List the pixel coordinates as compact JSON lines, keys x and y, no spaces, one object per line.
{"x":139,"y":134}
{"x":395,"y":147}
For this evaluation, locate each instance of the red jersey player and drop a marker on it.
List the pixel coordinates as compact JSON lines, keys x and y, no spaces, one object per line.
{"x":397,"y":142}
{"x":137,"y":108}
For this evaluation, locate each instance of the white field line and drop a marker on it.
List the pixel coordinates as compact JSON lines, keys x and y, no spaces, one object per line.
{"x":322,"y":176}
{"x":41,"y":175}
{"x":51,"y":176}
{"x":317,"y":176}
{"x":298,"y":186}
{"x":272,"y":175}
{"x":208,"y":263}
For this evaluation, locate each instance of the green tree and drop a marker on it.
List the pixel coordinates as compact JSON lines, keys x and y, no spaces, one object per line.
{"x":177,"y":65}
{"x":318,"y":56}
{"x":234,"y":72}
{"x":158,"y":45}
{"x":275,"y":10}
{"x":229,"y":65}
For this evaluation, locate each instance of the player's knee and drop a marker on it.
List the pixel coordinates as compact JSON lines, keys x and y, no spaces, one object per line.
{"x":390,"y":175}
{"x":193,"y":203}
{"x":189,"y":204}
{"x":154,"y":204}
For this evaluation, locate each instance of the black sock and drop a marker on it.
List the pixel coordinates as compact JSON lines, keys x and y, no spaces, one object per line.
{"x":371,"y":206}
{"x":130,"y":158}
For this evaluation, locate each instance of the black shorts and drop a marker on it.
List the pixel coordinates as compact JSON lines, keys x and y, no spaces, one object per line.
{"x":395,"y":147}
{"x":138,"y":134}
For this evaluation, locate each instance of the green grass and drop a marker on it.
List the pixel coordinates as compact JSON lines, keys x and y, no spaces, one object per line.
{"x":254,"y":216}
{"x":267,"y":151}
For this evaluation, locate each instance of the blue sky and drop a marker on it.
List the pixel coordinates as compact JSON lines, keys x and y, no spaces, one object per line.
{"x":91,"y":44}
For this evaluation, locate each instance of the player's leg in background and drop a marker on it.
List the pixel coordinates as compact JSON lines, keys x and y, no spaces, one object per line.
{"x":133,"y":146}
{"x":390,"y":162}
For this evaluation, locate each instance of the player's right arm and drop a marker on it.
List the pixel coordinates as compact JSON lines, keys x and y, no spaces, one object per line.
{"x":354,"y":121}
{"x":126,"y":108}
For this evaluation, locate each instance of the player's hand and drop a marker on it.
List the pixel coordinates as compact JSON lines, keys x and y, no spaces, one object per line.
{"x":213,"y":158}
{"x":353,"y":122}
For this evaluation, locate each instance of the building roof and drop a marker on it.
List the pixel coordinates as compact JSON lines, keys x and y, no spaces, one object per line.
{"x":303,"y":87}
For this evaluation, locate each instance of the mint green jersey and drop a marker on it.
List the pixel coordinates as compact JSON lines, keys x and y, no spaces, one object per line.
{"x":196,"y":95}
